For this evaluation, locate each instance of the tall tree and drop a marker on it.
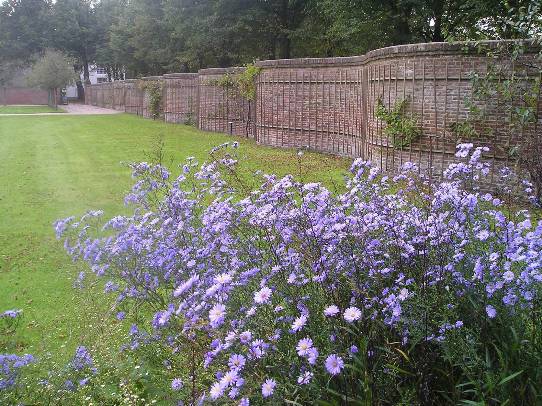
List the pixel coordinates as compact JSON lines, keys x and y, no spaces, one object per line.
{"x":76,"y":31}
{"x":24,"y":31}
{"x":52,"y":71}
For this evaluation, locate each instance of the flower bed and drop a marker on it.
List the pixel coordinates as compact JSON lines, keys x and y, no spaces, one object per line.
{"x":396,"y":291}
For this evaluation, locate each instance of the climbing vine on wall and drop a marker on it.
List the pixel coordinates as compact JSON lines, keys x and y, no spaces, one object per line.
{"x":243,"y":84}
{"x":246,"y":82}
{"x":400,"y":129}
{"x":154,"y":89}
{"x":514,"y":91}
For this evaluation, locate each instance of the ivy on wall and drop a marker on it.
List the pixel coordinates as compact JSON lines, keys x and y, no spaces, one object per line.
{"x":517,"y":86}
{"x":400,"y":129}
{"x":244,"y":84}
{"x":154,"y":89}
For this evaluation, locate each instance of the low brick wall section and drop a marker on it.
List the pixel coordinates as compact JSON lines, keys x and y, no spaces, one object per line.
{"x":312,"y":103}
{"x":181,"y":98}
{"x":329,"y":104}
{"x":221,"y":107}
{"x":23,"y":95}
{"x":435,"y":80}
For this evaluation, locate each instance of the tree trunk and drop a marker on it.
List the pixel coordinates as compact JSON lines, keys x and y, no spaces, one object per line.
{"x":80,"y":91}
{"x":400,"y":16}
{"x":283,"y":37}
{"x":86,"y":74}
{"x":438,"y":10}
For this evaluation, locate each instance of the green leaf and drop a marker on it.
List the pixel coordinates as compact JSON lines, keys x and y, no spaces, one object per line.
{"x":510,"y":377}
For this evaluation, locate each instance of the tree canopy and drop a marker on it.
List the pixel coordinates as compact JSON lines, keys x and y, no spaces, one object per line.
{"x":152,"y":37}
{"x":53,"y":70}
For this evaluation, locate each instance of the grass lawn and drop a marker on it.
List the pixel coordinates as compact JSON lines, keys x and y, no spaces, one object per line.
{"x":55,"y":166}
{"x":29,"y":109}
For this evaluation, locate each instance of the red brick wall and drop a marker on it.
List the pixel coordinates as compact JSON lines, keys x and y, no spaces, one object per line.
{"x":181,"y":97}
{"x":328,"y":104}
{"x":435,"y":79}
{"x":22,"y":95}
{"x":311,"y":103}
{"x":223,"y":109}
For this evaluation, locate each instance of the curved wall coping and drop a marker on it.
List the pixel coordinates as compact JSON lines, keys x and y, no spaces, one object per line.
{"x":421,"y":49}
{"x":300,"y":62}
{"x":180,"y":75}
{"x":221,"y":71}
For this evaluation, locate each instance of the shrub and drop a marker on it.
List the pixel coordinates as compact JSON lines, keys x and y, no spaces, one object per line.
{"x":400,"y":129}
{"x":397,"y":291}
{"x":154,"y":89}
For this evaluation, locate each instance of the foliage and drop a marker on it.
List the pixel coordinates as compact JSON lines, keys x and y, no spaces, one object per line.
{"x":53,"y":70}
{"x":76,"y":31}
{"x":154,"y":90}
{"x":400,"y":129}
{"x":37,"y":276}
{"x":246,"y":81}
{"x":243,"y":83}
{"x":513,"y":91}
{"x":152,"y":37}
{"x":395,"y":291}
{"x":25,"y":30}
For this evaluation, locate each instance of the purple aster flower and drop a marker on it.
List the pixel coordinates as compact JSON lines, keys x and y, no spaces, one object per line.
{"x":236,"y":361}
{"x":303,"y":346}
{"x":234,"y":392}
{"x":312,"y":355}
{"x":217,"y":314}
{"x":176,"y":384}
{"x":508,"y":276}
{"x":491,"y":312}
{"x":299,"y":323}
{"x":229,"y":379}
{"x":482,"y":235}
{"x":11,"y":313}
{"x":352,"y":314}
{"x":223,"y":279}
{"x":245,"y":337}
{"x":305,"y":378}
{"x":216,"y":391}
{"x":354,"y":349}
{"x":334,"y":364}
{"x":263,"y":295}
{"x":268,"y":387}
{"x":244,"y":402}
{"x":331,"y":311}
{"x":81,"y":359}
{"x":121,"y":315}
{"x":185,"y":286}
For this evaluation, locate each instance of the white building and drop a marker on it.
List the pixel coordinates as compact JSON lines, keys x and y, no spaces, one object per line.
{"x":96,"y":75}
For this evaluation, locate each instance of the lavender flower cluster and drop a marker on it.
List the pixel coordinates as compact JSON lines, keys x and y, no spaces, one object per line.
{"x":11,"y":314}
{"x":10,"y":366}
{"x":284,"y":286}
{"x":80,"y":369}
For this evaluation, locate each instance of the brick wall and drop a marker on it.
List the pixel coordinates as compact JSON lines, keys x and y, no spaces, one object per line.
{"x":328,"y":104}
{"x":221,"y":108}
{"x":181,"y":98}
{"x":312,"y":103}
{"x":23,"y":95}
{"x":435,"y":80}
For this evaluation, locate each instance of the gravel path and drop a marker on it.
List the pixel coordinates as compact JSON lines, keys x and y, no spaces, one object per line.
{"x":72,"y":109}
